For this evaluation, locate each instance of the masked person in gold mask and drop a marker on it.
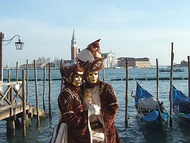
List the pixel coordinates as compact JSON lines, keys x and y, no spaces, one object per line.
{"x":73,"y":124}
{"x":98,"y":95}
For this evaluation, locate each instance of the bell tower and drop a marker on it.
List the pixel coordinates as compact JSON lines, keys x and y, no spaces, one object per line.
{"x":73,"y":47}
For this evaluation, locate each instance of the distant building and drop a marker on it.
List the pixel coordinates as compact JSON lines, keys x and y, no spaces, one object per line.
{"x":73,"y":48}
{"x":134,"y":62}
{"x":74,"y":52}
{"x":110,"y":60}
{"x":184,"y":64}
{"x":57,"y":63}
{"x":7,"y":66}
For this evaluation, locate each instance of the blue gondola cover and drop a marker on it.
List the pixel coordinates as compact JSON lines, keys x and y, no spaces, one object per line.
{"x":153,"y":116}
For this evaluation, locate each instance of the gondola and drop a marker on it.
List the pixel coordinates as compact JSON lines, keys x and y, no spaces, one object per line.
{"x":151,"y":113}
{"x":181,"y":107}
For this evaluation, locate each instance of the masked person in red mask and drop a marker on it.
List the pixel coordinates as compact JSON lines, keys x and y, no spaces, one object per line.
{"x":99,"y":95}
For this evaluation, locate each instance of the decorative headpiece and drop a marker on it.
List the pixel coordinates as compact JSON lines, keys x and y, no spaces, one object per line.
{"x":68,"y":72}
{"x":94,"y":48}
{"x":91,"y":58}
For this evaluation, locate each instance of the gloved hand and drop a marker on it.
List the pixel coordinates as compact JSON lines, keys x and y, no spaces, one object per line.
{"x":94,"y":109}
{"x":97,"y":108}
{"x":91,"y":110}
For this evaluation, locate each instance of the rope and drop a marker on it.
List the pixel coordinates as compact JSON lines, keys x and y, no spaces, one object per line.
{"x":176,"y":115}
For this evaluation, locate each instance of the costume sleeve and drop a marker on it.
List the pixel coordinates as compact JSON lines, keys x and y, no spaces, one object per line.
{"x":72,"y":110}
{"x":110,"y":105}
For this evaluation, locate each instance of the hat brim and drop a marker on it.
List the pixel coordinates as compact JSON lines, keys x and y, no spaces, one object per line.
{"x":97,"y":65}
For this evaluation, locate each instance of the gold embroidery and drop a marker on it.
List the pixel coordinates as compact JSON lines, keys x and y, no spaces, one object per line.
{"x":98,"y":64}
{"x":101,"y":88}
{"x":73,"y":94}
{"x":88,"y":96}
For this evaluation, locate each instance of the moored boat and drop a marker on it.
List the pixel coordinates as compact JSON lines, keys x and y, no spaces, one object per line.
{"x":150,"y":112}
{"x":181,"y":107}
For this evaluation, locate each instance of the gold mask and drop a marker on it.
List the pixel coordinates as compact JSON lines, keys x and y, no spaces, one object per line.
{"x":77,"y":80}
{"x":92,"y":77}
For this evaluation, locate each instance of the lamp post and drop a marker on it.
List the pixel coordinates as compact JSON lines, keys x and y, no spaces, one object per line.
{"x":19,"y":46}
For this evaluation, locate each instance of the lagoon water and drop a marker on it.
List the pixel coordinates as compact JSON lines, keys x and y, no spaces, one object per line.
{"x":133,"y":133}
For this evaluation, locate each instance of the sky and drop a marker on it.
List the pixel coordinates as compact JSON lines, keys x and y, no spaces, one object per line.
{"x":128,"y":28}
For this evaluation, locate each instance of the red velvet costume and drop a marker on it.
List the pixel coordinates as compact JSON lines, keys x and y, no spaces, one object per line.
{"x":109,"y":108}
{"x":73,"y":115}
{"x":72,"y":111}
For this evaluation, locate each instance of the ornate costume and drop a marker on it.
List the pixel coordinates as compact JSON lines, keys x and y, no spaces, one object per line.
{"x":73,"y":124}
{"x":100,"y":95}
{"x":104,"y":97}
{"x":73,"y":115}
{"x":87,"y":116}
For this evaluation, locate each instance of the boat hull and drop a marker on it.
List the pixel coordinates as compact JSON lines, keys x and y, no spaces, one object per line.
{"x":181,"y":107}
{"x":150,"y":112}
{"x":151,"y":125}
{"x":181,"y":118}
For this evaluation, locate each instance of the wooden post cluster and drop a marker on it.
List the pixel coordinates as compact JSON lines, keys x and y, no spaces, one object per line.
{"x":23,"y":106}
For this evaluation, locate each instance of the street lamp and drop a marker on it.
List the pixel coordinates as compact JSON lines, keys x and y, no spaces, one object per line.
{"x":19,"y":46}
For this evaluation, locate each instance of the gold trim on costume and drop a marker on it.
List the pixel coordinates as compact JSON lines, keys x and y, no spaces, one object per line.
{"x":68,"y":112}
{"x":113,"y":104}
{"x":101,"y":89}
{"x":88,"y":96}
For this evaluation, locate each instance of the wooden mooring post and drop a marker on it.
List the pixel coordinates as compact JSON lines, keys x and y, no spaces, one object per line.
{"x":50,"y":109}
{"x":126,"y":95}
{"x":157,"y":80}
{"x":171,"y":84}
{"x":10,"y":121}
{"x":24,"y":105}
{"x":25,"y":78}
{"x":16,"y":71}
{"x":27,"y":93}
{"x":44,"y":87}
{"x":36,"y":89}
{"x":188,"y":58}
